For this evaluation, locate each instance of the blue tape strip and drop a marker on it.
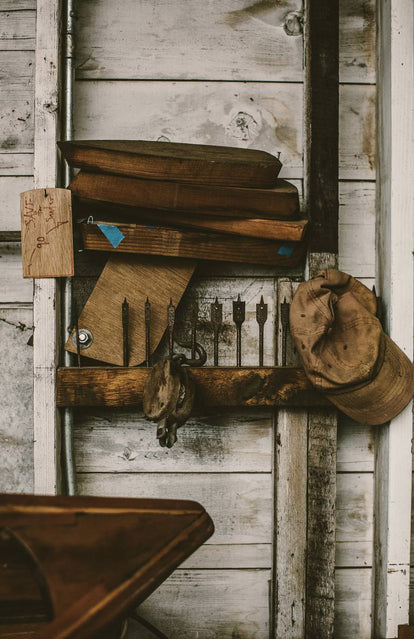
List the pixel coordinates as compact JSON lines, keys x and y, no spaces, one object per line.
{"x":112,"y":233}
{"x":286,"y":249}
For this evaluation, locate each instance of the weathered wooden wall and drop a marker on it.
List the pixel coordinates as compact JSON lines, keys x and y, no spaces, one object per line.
{"x":228,"y":73}
{"x":17,"y":34}
{"x":224,"y":74}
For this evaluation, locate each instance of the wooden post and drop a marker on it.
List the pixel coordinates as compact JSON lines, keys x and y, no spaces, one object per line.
{"x":46,"y":291}
{"x":321,"y":202}
{"x":395,"y":228}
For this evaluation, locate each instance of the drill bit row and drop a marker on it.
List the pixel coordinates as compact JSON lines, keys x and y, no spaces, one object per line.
{"x":216,"y":322}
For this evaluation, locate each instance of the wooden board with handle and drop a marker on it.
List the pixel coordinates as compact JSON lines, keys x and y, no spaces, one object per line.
{"x":191,"y":163}
{"x":140,"y":239}
{"x":279,"y":202}
{"x":134,"y":278}
{"x":47,"y":241}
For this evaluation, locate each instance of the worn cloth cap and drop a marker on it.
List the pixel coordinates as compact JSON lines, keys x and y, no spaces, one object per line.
{"x":345,"y":352}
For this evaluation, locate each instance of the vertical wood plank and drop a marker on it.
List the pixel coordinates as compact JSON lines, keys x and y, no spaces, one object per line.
{"x":322,"y":204}
{"x":320,"y":573}
{"x":46,"y":291}
{"x":290,"y":503}
{"x":321,"y":122}
{"x":395,"y":229}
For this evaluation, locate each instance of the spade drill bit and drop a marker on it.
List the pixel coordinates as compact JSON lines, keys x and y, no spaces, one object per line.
{"x":216,"y":316}
{"x":261,"y":317}
{"x":125,"y":323}
{"x":239,"y":315}
{"x":194,"y":320}
{"x":284,"y":318}
{"x":147,"y":333}
{"x":170,"y":325}
{"x":75,"y":312}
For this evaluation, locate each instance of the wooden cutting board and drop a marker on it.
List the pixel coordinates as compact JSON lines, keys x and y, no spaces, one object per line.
{"x":279,"y":202}
{"x":193,"y":163}
{"x":134,"y":278}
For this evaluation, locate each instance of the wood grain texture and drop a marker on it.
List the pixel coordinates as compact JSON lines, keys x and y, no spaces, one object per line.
{"x":279,"y":202}
{"x":10,"y":189}
{"x":18,"y":27}
{"x":239,"y":42}
{"x":16,"y":164}
{"x":290,"y":230}
{"x":240,"y":504}
{"x":226,"y":386}
{"x":321,"y":495}
{"x":143,"y":240}
{"x":290,"y":536}
{"x":272,"y":121}
{"x":134,"y":278}
{"x":120,"y":551}
{"x":46,"y":291}
{"x":265,"y":116}
{"x":356,"y":250}
{"x":47,"y":237}
{"x":16,"y":101}
{"x":232,"y":440}
{"x":16,"y":433}
{"x":395,"y":233}
{"x":190,"y":163}
{"x":240,"y":599}
{"x":13,"y":288}
{"x":236,"y":41}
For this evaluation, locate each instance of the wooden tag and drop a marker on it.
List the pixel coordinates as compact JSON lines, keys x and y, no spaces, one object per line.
{"x":47,"y":240}
{"x":135,"y":278}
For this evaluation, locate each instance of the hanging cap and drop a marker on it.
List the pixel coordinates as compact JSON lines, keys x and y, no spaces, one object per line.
{"x":345,"y":352}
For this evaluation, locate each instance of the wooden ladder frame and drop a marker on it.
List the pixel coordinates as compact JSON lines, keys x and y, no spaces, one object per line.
{"x":395,"y":232}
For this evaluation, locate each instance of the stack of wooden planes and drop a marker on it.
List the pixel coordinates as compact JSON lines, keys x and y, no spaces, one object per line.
{"x":184,"y":200}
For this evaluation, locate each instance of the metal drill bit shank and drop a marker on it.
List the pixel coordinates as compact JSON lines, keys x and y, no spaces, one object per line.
{"x":125,"y":324}
{"x":216,"y":316}
{"x":170,"y":326}
{"x":239,"y":315}
{"x":147,"y":333}
{"x":261,"y":317}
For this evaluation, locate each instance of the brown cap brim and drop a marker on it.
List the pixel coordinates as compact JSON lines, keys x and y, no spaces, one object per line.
{"x":386,"y":395}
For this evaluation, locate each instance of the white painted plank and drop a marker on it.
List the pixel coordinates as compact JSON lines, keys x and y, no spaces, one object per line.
{"x":16,"y":164}
{"x":227,"y":556}
{"x":354,"y":507}
{"x":232,"y":40}
{"x":357,"y":132}
{"x":17,"y":27}
{"x":232,"y":441}
{"x":13,"y":288}
{"x":227,"y":290}
{"x":46,"y":291}
{"x":265,"y":116}
{"x":355,"y":446}
{"x":229,"y":604}
{"x":16,"y":428}
{"x":353,"y":604}
{"x":291,"y":437}
{"x":240,"y":504}
{"x":395,"y":285}
{"x":16,"y":100}
{"x":239,"y":41}
{"x":357,"y":41}
{"x":356,"y":254}
{"x":10,"y":189}
{"x":18,"y":5}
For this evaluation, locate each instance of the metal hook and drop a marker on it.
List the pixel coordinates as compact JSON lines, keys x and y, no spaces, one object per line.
{"x":182,"y":359}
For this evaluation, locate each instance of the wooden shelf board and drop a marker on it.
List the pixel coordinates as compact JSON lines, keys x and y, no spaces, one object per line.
{"x":215,"y":386}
